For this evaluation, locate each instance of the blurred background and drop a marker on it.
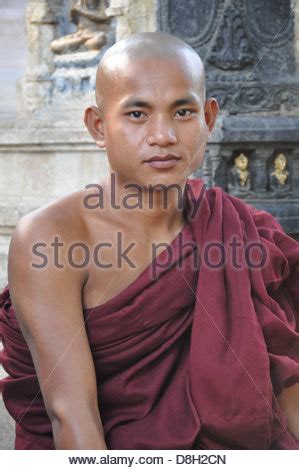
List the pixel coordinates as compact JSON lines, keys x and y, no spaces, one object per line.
{"x":12,"y":53}
{"x":49,"y":51}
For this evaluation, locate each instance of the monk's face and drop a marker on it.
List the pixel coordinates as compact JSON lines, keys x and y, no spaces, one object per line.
{"x":155,"y":107}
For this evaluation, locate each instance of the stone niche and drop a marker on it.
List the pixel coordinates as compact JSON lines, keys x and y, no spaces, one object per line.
{"x":251,"y":54}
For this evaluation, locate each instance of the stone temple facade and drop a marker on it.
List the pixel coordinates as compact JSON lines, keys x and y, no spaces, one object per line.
{"x":251,"y":54}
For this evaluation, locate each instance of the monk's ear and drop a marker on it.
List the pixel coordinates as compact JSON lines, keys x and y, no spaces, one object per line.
{"x":211,"y":112}
{"x":94,"y":123}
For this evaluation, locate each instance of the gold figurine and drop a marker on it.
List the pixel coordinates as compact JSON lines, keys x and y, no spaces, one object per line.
{"x":241,"y":167}
{"x":239,"y":176}
{"x":280,"y":172}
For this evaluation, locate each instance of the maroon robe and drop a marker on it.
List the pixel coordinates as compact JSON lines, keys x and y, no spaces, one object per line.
{"x":195,"y":357}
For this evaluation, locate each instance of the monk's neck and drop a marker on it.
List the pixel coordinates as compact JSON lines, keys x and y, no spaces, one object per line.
{"x":154,"y":209}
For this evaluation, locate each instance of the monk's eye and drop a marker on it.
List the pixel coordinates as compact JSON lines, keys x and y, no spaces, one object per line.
{"x":184,"y":112}
{"x":135,"y":114}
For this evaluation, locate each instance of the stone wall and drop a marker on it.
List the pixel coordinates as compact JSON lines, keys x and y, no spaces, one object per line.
{"x":12,"y":66}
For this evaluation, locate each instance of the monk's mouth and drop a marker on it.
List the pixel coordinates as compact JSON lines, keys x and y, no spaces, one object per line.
{"x":165,"y":163}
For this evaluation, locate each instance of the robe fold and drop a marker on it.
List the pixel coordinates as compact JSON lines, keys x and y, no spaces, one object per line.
{"x":195,"y":356}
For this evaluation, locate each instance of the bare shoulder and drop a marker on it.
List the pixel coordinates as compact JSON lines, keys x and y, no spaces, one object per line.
{"x":66,"y":218}
{"x":59,"y":224}
{"x":63,"y":214}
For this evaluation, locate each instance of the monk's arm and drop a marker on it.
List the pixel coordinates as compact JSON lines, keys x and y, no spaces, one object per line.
{"x":48,"y":305}
{"x":289,"y":403}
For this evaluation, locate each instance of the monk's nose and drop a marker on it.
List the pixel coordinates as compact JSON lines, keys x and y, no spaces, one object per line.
{"x":161,"y":133}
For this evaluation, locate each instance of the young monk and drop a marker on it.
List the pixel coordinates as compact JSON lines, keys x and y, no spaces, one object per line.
{"x":102,"y":354}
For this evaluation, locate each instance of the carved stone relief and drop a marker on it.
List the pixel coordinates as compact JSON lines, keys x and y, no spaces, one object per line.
{"x":230,"y":48}
{"x":238,"y":178}
{"x":255,"y":174}
{"x":246,"y":47}
{"x":77,"y":54}
{"x":194,"y":20}
{"x":270,"y":23}
{"x":279,"y":176}
{"x":91,"y":20}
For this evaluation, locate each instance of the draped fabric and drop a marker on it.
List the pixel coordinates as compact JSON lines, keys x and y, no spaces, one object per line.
{"x":195,"y":356}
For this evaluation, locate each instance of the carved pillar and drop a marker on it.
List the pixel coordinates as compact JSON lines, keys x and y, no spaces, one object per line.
{"x":216,"y":158}
{"x":295,"y":175}
{"x":42,"y":19}
{"x":205,"y":171}
{"x":260,"y":171}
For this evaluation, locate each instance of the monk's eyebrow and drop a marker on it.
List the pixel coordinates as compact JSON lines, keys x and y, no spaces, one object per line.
{"x":135,"y":103}
{"x":185,"y":101}
{"x":139,"y":103}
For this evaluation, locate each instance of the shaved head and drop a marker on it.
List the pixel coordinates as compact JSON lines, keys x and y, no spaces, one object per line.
{"x":157,"y":46}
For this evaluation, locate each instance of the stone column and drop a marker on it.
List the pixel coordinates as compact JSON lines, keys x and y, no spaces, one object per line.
{"x":259,"y":173}
{"x":42,"y":20}
{"x":217,"y":160}
{"x":204,"y":171}
{"x":295,"y":169}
